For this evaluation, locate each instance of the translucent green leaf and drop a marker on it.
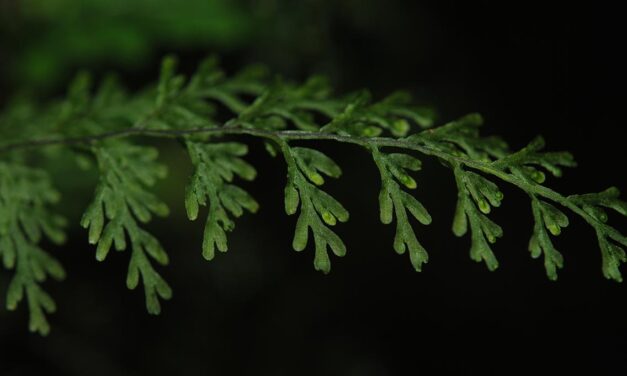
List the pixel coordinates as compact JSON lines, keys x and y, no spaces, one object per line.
{"x":540,"y":241}
{"x":483,"y":231}
{"x":215,"y":165}
{"x":25,"y":198}
{"x":126,"y":173}
{"x":393,"y":202}
{"x":317,"y":208}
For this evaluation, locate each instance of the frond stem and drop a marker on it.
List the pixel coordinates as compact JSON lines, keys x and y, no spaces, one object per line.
{"x":366,"y":142}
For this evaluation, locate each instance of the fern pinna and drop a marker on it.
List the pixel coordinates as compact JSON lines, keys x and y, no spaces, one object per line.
{"x":101,"y":128}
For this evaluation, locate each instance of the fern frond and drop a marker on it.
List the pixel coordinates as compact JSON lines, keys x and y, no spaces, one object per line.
{"x":476,"y":196}
{"x":360,"y":117}
{"x":25,"y":218}
{"x":181,"y":104}
{"x":547,"y":217}
{"x":525,"y":163}
{"x":394,"y":202}
{"x":122,"y":200}
{"x":318,"y":210}
{"x":611,"y":241}
{"x":284,"y":102}
{"x":215,"y":166}
{"x":201,"y":110}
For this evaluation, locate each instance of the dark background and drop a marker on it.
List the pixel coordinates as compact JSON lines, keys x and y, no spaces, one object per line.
{"x":529,"y":67}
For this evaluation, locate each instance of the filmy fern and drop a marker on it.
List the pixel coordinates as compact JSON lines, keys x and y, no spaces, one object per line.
{"x":25,"y":195}
{"x":121,"y":201}
{"x":106,"y":125}
{"x":318,"y":210}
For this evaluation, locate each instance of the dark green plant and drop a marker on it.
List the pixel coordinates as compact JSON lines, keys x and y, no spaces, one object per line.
{"x":44,"y":40}
{"x":103,"y":126}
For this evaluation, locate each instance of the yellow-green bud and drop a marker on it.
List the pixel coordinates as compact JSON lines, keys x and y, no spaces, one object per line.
{"x":316,"y":178}
{"x":538,"y":176}
{"x":371,"y":131}
{"x":408,"y":181}
{"x":400,"y":127}
{"x":554,"y":229}
{"x":484,"y":206}
{"x":329,"y":218}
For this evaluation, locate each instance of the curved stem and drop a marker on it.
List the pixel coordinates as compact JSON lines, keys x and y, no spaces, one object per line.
{"x":278,"y":136}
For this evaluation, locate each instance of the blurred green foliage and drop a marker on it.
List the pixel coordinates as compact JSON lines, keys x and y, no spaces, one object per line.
{"x":44,"y":42}
{"x":46,"y":38}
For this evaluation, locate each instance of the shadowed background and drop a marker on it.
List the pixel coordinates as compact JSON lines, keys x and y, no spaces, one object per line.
{"x":261,"y":308}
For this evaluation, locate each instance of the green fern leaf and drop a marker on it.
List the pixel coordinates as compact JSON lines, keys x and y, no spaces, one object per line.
{"x":547,"y":217}
{"x":121,"y":201}
{"x":318,"y":210}
{"x":195,"y":112}
{"x":611,"y":241}
{"x":285,"y":102}
{"x":215,"y":166}
{"x":525,"y":162}
{"x":362,"y":118}
{"x":395,"y":202}
{"x":25,"y":217}
{"x":461,"y":138}
{"x":476,"y":197}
